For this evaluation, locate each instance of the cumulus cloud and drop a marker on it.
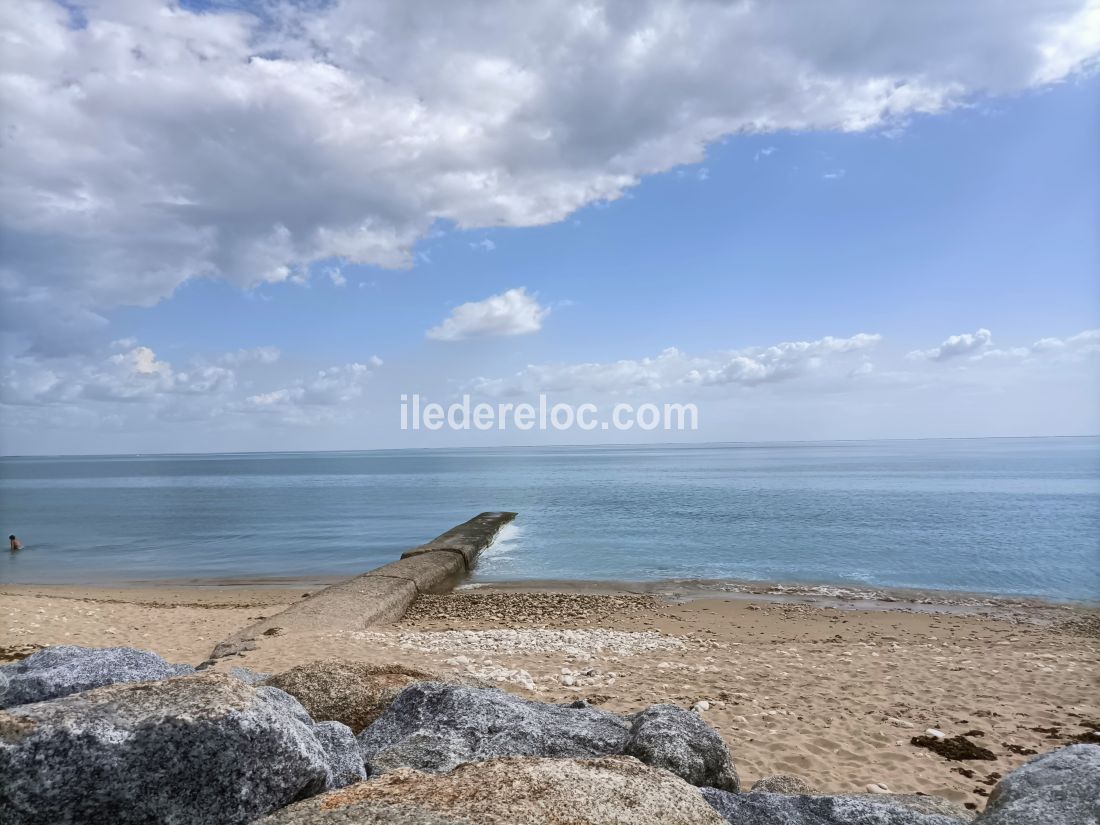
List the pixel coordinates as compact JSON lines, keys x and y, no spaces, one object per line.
{"x":511,"y":313}
{"x":1086,"y":342}
{"x":957,"y":346}
{"x":129,"y":380}
{"x":673,"y":368}
{"x":133,"y":373}
{"x":315,"y":400}
{"x":148,"y":144}
{"x":758,"y":365}
{"x":977,"y":347}
{"x":1071,"y":348}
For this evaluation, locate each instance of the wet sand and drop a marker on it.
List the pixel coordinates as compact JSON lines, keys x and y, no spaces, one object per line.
{"x":829,"y":688}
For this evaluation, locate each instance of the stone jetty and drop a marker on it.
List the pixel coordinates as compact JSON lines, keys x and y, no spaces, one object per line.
{"x":381,"y":595}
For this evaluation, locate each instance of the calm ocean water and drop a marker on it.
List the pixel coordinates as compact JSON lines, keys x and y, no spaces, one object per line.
{"x":1018,"y":516}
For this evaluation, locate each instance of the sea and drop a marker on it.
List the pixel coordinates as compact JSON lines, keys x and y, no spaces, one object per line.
{"x":1007,"y":517}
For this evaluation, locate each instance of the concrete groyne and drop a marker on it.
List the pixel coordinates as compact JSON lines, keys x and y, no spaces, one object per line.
{"x":380,"y":595}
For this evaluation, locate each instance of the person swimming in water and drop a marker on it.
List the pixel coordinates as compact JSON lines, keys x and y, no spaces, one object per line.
{"x":15,"y":543}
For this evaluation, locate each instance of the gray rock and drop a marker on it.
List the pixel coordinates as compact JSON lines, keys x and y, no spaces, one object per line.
{"x":67,"y":669}
{"x":514,"y":791}
{"x":781,"y":783}
{"x":188,"y":750}
{"x":249,"y":677}
{"x":431,"y":726}
{"x":1057,"y":788}
{"x":435,"y":727}
{"x":345,"y":760}
{"x":922,"y":803}
{"x":781,"y":809}
{"x":230,"y":647}
{"x":678,"y":740}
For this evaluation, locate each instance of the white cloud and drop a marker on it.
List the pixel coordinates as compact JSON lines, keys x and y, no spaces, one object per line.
{"x":484,"y":245}
{"x":807,"y":367}
{"x":1069,"y":43}
{"x":337,"y":277}
{"x":977,"y":348}
{"x":511,"y":313}
{"x":776,"y":363}
{"x":329,"y":387}
{"x":133,"y":384}
{"x":956,"y":346}
{"x":148,"y":144}
{"x":835,"y":174}
{"x":137,"y":374}
{"x":1071,"y":348}
{"x":763,"y":153}
{"x":673,"y":368}
{"x":314,"y":400}
{"x":134,"y":373}
{"x":1085,"y":342}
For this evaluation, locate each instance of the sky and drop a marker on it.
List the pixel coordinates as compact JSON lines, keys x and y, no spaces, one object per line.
{"x":256,"y":226}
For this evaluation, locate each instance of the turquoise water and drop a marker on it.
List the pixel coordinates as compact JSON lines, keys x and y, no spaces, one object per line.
{"x":1004,"y":516}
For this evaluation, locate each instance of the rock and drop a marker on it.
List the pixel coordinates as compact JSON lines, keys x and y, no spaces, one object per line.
{"x":855,"y":809}
{"x":350,"y":692}
{"x":513,"y":791}
{"x":487,"y":674}
{"x":700,"y":706}
{"x":781,"y":783}
{"x":345,"y":761}
{"x":249,"y":677}
{"x":230,"y":647}
{"x":187,"y":750}
{"x":60,"y":671}
{"x":1058,"y":788}
{"x":435,"y":727}
{"x":877,"y":787}
{"x":368,"y":813}
{"x":677,"y":740}
{"x":928,"y":804}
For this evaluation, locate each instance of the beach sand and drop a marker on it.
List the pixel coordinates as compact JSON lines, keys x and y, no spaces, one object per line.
{"x":832,"y":692}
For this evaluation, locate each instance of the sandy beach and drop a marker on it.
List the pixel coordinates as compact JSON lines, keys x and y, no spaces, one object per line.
{"x":830,"y":691}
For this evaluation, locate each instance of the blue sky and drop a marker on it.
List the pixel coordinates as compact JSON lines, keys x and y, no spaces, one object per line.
{"x":973,"y":212}
{"x":984,"y":217}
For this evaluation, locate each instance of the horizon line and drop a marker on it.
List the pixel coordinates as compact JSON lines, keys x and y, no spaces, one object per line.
{"x":549,"y":446}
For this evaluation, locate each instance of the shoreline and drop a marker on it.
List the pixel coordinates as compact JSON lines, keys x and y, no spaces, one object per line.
{"x":822,"y":594}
